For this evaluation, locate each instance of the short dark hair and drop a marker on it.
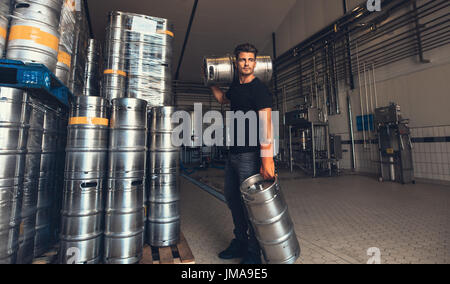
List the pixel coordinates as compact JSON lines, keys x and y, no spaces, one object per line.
{"x":246,"y":47}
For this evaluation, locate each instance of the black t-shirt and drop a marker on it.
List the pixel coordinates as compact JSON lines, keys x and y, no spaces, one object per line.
{"x":253,"y":96}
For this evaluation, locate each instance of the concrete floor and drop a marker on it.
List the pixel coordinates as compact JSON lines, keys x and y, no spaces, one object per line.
{"x":336,"y":219}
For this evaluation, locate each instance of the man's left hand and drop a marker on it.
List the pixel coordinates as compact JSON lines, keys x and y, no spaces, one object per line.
{"x":267,"y":168}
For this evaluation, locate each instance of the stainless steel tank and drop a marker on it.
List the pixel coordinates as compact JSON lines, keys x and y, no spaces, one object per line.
{"x":163,"y":228}
{"x":124,"y":222}
{"x":46,"y":191}
{"x":66,"y":43}
{"x":268,"y":213}
{"x":222,"y":70}
{"x":31,"y":184}
{"x":85,"y":179}
{"x":34,"y":35}
{"x":14,"y":125}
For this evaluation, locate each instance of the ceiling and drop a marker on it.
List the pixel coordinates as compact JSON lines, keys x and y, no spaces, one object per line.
{"x":217,"y":28}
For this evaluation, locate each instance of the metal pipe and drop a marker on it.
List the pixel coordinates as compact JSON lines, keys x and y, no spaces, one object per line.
{"x":367,"y":103}
{"x":352,"y":136}
{"x":360,"y":96}
{"x":375,"y":86}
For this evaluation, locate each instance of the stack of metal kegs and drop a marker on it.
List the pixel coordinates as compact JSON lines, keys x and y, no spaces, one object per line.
{"x":91,"y":73}
{"x":4,"y":13}
{"x":85,"y":177}
{"x":34,"y":35}
{"x":14,"y":124}
{"x":148,"y":54}
{"x":138,"y":57}
{"x":66,"y":30}
{"x":45,"y":234}
{"x":31,"y":183}
{"x":125,"y":214}
{"x":114,"y":75}
{"x":163,"y":228}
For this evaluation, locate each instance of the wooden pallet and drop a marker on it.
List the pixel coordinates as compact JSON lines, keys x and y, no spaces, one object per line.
{"x":49,"y":257}
{"x":176,"y":254}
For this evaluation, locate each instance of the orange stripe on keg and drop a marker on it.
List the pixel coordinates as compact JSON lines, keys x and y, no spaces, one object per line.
{"x":34,"y":34}
{"x":118,"y":72}
{"x":2,"y":32}
{"x":64,"y":58}
{"x":88,"y":120}
{"x":165,"y":32}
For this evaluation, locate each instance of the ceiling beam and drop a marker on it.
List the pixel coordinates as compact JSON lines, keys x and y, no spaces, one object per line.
{"x":186,"y":38}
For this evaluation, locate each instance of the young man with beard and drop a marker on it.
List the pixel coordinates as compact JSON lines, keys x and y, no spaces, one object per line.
{"x":247,"y":93}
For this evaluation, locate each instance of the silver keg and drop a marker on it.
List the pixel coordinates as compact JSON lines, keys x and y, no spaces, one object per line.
{"x":82,"y":222}
{"x":124,"y":222}
{"x":34,"y":35}
{"x":3,"y":31}
{"x":63,"y":65}
{"x":114,"y":74}
{"x":91,"y":74}
{"x":44,"y":11}
{"x":128,"y":138}
{"x":163,"y":228}
{"x":31,"y":184}
{"x":14,"y":125}
{"x":87,"y":142}
{"x":79,"y":53}
{"x":222,"y":70}
{"x":269,"y":215}
{"x":46,"y":188}
{"x":62,"y":116}
{"x":66,"y":43}
{"x":85,"y":177}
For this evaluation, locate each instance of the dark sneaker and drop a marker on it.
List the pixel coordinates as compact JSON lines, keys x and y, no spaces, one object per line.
{"x":251,"y":259}
{"x":235,"y":250}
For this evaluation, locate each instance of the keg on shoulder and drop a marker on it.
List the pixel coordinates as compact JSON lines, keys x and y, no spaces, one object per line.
{"x":222,"y":70}
{"x":268,"y":213}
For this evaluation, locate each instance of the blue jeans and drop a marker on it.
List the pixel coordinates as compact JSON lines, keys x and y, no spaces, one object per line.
{"x":239,"y":167}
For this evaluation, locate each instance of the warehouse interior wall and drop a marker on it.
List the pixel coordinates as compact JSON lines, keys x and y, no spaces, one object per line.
{"x":421,"y":89}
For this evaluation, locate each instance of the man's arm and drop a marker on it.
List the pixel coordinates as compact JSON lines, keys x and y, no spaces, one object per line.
{"x":219,"y":95}
{"x":267,"y":144}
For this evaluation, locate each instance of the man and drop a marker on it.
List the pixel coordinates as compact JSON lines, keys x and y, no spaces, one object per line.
{"x":246,"y":93}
